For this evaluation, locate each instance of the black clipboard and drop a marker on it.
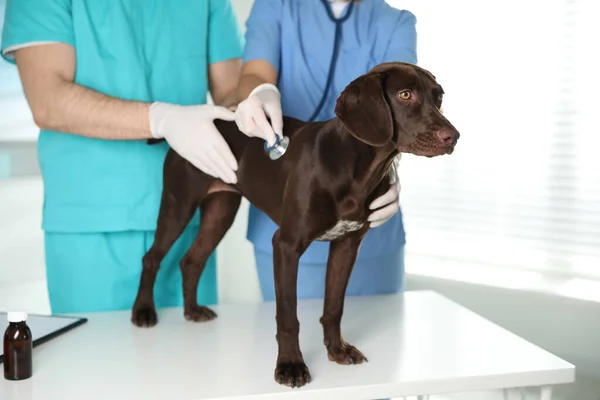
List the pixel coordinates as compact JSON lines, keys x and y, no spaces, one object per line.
{"x":44,"y":327}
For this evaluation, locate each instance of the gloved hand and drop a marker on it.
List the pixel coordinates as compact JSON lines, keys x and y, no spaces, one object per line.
{"x":251,"y":114}
{"x":191,"y":132}
{"x":389,"y":199}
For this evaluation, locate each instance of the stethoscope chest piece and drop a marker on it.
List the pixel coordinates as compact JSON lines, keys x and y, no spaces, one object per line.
{"x":279,"y":147}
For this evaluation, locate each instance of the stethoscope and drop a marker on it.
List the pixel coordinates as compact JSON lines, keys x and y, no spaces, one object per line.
{"x":280,"y":146}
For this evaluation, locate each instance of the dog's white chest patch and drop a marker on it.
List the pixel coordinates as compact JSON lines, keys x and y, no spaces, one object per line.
{"x":341,"y":228}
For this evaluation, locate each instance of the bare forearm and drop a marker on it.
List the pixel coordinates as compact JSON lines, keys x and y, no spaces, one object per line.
{"x":81,"y":111}
{"x":255,"y":73}
{"x":57,"y":103}
{"x":223,"y":80}
{"x":247,"y":84}
{"x":230,"y":100}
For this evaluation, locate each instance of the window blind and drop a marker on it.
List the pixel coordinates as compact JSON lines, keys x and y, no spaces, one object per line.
{"x":522,"y":189}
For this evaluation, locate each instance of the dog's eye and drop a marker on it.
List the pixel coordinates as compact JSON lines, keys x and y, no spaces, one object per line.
{"x":405,"y":95}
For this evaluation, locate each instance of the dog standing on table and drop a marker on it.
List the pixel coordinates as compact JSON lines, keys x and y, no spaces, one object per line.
{"x":319,"y":190}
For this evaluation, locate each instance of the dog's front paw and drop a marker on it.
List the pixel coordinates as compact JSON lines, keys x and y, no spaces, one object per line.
{"x":198,"y":313}
{"x":345,"y":354}
{"x":292,"y":374}
{"x":144,"y":316}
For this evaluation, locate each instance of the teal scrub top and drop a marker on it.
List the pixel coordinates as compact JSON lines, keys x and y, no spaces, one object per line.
{"x":144,"y":50}
{"x":297,"y":38}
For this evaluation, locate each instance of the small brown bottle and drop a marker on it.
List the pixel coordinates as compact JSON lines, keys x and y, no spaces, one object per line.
{"x":18,"y":348}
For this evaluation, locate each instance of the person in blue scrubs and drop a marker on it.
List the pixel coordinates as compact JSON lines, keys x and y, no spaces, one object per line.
{"x":102,"y":77}
{"x":289,"y":46}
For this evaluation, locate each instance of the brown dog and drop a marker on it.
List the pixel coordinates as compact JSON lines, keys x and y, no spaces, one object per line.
{"x":319,"y":190}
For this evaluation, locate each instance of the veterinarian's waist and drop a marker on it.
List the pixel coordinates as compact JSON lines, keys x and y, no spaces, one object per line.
{"x":385,"y":239}
{"x":99,"y":185}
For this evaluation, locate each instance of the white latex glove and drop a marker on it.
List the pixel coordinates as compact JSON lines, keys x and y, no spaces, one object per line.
{"x":389,"y":202}
{"x":191,"y":132}
{"x":251,"y":114}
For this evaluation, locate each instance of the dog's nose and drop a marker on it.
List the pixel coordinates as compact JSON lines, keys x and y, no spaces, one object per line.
{"x":446,"y":136}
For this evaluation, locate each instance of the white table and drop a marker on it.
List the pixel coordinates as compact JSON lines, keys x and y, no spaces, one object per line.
{"x":418,"y":343}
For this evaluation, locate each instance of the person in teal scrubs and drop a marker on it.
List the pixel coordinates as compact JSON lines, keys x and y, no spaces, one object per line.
{"x":102,"y":77}
{"x":288,"y":52}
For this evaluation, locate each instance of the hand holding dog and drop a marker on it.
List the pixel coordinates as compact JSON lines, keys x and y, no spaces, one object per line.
{"x":388,"y":204}
{"x":191,"y":132}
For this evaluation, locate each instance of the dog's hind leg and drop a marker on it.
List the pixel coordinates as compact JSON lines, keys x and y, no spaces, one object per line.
{"x":342,"y":256}
{"x":175,"y":213}
{"x":217,"y":213}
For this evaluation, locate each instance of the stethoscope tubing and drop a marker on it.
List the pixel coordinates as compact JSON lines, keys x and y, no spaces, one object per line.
{"x":278,"y":148}
{"x":336,"y":47}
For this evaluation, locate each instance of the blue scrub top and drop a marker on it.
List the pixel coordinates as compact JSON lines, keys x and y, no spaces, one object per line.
{"x":297,"y":37}
{"x":144,"y":50}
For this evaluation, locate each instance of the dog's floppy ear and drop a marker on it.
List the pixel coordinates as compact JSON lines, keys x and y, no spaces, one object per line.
{"x":363,"y":110}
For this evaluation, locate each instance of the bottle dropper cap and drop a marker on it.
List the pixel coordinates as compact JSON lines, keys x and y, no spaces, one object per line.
{"x":16,"y":316}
